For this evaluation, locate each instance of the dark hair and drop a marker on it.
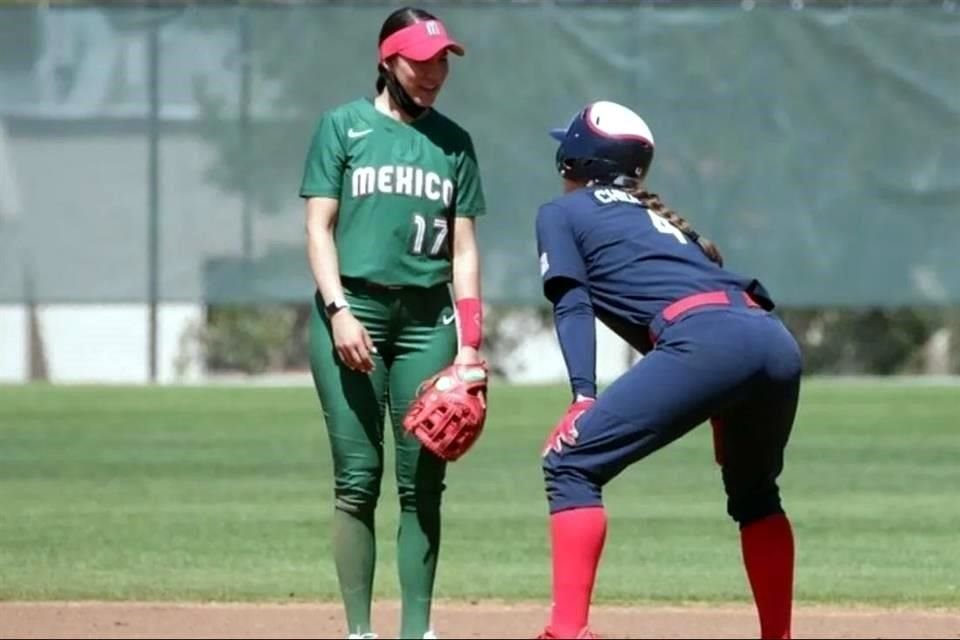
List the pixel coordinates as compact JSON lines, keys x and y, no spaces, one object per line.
{"x":653,"y":203}
{"x":403,"y":17}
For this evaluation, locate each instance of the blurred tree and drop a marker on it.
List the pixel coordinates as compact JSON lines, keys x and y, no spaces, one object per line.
{"x":862,"y":341}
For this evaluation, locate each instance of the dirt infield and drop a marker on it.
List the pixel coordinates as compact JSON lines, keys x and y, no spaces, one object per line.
{"x":452,"y":620}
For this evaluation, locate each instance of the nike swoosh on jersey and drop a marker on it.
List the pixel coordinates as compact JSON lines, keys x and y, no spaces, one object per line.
{"x":353,"y":133}
{"x":448,"y":319}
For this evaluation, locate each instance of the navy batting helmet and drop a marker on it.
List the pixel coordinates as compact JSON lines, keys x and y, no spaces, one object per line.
{"x":603,"y":142}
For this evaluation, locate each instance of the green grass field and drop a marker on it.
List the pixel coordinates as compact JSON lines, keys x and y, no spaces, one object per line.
{"x":223,"y":493}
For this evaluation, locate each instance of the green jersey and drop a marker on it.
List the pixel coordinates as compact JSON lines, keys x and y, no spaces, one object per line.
{"x":399,"y":186}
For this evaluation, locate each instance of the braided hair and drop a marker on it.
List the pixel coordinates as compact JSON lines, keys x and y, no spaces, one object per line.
{"x":654,"y":204}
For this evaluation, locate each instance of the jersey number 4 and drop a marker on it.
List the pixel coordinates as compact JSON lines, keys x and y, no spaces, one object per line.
{"x":428,"y":239}
{"x":663,"y":226}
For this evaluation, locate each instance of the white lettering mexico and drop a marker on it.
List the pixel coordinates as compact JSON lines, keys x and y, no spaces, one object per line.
{"x":407,"y":181}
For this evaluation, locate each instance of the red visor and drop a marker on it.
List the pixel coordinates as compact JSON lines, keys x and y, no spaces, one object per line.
{"x":419,"y":41}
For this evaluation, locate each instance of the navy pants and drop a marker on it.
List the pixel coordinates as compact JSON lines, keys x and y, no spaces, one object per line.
{"x":734,"y":364}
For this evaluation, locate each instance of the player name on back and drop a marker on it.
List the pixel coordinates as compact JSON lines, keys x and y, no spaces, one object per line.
{"x":401,"y":180}
{"x":606,"y":196}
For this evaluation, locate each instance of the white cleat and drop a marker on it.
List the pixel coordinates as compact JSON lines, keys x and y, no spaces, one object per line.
{"x":430,"y":635}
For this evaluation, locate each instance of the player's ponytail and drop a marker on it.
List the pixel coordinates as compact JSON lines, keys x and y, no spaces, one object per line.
{"x":653,"y":203}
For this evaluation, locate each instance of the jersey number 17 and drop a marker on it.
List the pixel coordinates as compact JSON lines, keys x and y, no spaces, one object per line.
{"x":428,"y":239}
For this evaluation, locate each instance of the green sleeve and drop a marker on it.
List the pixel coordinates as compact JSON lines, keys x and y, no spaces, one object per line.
{"x":326,"y":160}
{"x":470,"y":200}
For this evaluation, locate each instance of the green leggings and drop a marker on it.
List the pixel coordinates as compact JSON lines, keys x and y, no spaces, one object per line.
{"x":415,"y":336}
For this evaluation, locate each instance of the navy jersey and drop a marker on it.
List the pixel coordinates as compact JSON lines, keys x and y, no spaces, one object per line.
{"x":632,"y":261}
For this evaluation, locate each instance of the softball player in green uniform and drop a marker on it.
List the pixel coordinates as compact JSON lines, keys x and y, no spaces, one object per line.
{"x":392,"y":189}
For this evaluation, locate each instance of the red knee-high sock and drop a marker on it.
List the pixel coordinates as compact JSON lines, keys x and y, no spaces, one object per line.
{"x":577,"y":538}
{"x":767,"y":547}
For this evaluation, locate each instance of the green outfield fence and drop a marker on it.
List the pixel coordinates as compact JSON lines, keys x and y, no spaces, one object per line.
{"x":152,"y":153}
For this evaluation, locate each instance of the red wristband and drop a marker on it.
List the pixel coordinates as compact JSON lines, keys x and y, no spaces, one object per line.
{"x":470,"y":313}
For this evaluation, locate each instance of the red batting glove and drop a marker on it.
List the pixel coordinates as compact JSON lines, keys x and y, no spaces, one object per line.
{"x":565,"y":432}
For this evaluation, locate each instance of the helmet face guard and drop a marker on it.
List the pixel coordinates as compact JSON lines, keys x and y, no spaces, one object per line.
{"x":603,"y":142}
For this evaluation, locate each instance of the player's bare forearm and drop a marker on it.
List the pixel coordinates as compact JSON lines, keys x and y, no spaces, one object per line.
{"x":466,"y":290}
{"x":466,"y":260}
{"x":321,"y":217}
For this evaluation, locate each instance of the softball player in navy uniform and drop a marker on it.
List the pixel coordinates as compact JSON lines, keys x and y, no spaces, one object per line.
{"x":612,"y":251}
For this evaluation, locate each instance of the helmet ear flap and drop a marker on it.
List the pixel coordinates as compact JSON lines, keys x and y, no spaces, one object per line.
{"x":575,"y":168}
{"x":567,"y":167}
